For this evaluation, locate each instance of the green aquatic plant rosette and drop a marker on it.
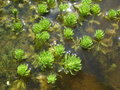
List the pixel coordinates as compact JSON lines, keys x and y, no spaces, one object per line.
{"x":58,"y":50}
{"x":95,"y":9}
{"x":42,"y":8}
{"x":99,"y":34}
{"x":70,"y":19}
{"x":23,"y":70}
{"x":68,"y":33}
{"x":63,"y":7}
{"x":86,"y":42}
{"x":84,"y":9}
{"x":71,"y":63}
{"x":37,"y":28}
{"x":112,"y":14}
{"x":51,"y":78}
{"x":45,"y":23}
{"x":45,"y":59}
{"x":19,"y":54}
{"x":17,"y":26}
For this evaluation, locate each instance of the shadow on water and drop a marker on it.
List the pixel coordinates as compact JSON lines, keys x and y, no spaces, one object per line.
{"x":97,"y":73}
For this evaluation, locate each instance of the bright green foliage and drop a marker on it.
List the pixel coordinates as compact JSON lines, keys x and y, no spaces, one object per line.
{"x":63,"y":7}
{"x":19,"y":54}
{"x":87,"y":1}
{"x":23,"y":70}
{"x":42,"y":37}
{"x":99,"y":34}
{"x":15,"y":11}
{"x":42,"y":8}
{"x":37,"y":28}
{"x":72,"y":63}
{"x":58,"y":50}
{"x":86,"y":42}
{"x":45,"y":59}
{"x":84,"y":9}
{"x":95,"y":9}
{"x":68,"y":33}
{"x":112,"y":14}
{"x":51,"y":78}
{"x":70,"y":19}
{"x":17,"y":26}
{"x":45,"y":24}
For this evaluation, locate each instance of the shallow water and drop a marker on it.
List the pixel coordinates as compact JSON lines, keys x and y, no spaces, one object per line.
{"x":97,"y":72}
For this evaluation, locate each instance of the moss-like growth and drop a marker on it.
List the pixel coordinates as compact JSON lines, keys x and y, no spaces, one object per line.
{"x":51,"y":78}
{"x":17,"y":26}
{"x":42,"y":8}
{"x":63,"y":7}
{"x":86,"y":42}
{"x":72,"y":64}
{"x":58,"y":50}
{"x":112,"y":14}
{"x":45,"y":23}
{"x":95,"y":9}
{"x":84,"y":9}
{"x":23,"y":70}
{"x":68,"y":33}
{"x":37,"y":28}
{"x":45,"y":59}
{"x":19,"y":54}
{"x":99,"y":34}
{"x":70,"y":19}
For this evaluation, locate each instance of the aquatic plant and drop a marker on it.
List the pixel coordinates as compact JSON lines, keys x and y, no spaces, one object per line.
{"x":70,"y":19}
{"x":17,"y":26}
{"x":42,"y":8}
{"x":51,"y":78}
{"x":112,"y":14}
{"x":63,"y":7}
{"x":23,"y":70}
{"x":19,"y":54}
{"x":86,"y":42}
{"x":58,"y":50}
{"x":95,"y":9}
{"x":51,"y":3}
{"x":45,"y":59}
{"x":99,"y":34}
{"x":42,"y":37}
{"x":37,"y":28}
{"x":15,"y":12}
{"x":84,"y":9}
{"x":45,"y":23}
{"x":71,"y":63}
{"x":68,"y":33}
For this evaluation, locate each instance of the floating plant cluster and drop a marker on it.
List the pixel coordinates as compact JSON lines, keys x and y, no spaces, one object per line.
{"x":51,"y":55}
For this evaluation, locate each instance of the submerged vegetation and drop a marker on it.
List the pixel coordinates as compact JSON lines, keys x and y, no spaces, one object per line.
{"x":51,"y":38}
{"x":23,"y":70}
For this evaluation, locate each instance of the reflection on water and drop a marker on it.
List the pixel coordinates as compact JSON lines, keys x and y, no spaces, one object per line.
{"x":100,"y":68}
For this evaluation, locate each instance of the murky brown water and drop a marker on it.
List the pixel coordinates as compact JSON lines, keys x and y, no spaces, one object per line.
{"x":98,"y":72}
